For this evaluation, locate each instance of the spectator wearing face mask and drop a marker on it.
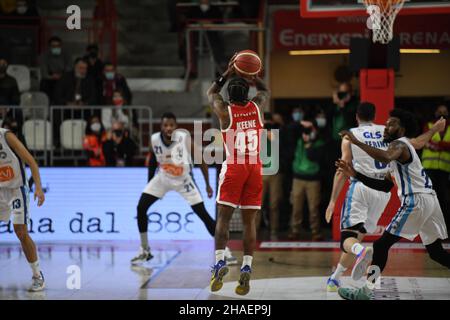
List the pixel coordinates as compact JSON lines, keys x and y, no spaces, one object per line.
{"x":24,"y":9}
{"x":436,"y":161}
{"x":53,"y":64}
{"x":306,"y":167}
{"x":117,"y":114}
{"x":342,"y":114}
{"x":76,"y":87}
{"x":93,"y":142}
{"x":119,"y":149}
{"x":114,"y":82}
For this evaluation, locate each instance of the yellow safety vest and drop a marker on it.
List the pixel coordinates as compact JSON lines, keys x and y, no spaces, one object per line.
{"x":438,"y":160}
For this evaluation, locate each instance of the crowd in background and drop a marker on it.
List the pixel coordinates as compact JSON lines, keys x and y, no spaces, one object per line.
{"x":295,"y":199}
{"x":309,"y":135}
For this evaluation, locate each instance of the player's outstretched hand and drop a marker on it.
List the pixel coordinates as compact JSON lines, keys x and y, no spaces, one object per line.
{"x":345,"y":168}
{"x":439,"y":125}
{"x":329,"y":212}
{"x":39,"y":194}
{"x":209,"y":191}
{"x":350,"y":136}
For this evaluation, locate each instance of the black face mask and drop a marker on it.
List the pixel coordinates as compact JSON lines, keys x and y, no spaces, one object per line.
{"x":438,"y":116}
{"x":342,"y":95}
{"x":3,"y":69}
{"x":118,"y":133}
{"x":93,"y":54}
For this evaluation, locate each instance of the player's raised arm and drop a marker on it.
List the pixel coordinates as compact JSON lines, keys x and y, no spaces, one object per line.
{"x":420,"y":141}
{"x":262,"y":97}
{"x":26,"y":157}
{"x":397,"y":150}
{"x":339,"y":179}
{"x":215,"y":99}
{"x":347,"y":169}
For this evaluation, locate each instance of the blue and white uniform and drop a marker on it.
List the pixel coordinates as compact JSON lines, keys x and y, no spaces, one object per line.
{"x":363,"y":204}
{"x":174,"y":168}
{"x":14,"y":192}
{"x":420,"y":212}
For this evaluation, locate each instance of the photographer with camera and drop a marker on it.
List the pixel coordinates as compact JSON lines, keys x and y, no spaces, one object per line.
{"x":308,"y":157}
{"x":119,"y":149}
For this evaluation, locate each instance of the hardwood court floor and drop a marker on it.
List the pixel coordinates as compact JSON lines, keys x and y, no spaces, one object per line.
{"x":180,"y":270}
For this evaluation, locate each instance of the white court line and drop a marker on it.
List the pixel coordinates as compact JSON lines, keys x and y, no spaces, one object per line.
{"x":333,"y":245}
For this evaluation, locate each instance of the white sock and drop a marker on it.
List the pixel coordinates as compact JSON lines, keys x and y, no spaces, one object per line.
{"x":144,"y":240}
{"x":220,"y":255}
{"x":227,"y":252}
{"x":36,"y":269}
{"x":340,"y":269}
{"x":357,"y":248}
{"x":247,"y":261}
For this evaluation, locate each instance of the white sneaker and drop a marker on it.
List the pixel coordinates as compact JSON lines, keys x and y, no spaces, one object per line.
{"x":144,"y":255}
{"x":229,"y":258}
{"x":38,"y":284}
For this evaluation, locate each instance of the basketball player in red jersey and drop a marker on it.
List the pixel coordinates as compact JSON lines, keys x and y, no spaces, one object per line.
{"x":240,"y":183}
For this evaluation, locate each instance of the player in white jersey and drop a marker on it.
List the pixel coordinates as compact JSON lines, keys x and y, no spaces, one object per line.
{"x":420,"y":212}
{"x":363,"y":206}
{"x":171,"y":153}
{"x":14,"y":197}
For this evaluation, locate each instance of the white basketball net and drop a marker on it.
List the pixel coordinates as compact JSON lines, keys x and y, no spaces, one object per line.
{"x":382,"y":16}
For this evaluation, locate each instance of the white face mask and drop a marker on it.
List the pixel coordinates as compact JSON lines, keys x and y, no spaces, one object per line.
{"x":204,"y":7}
{"x":22,"y":9}
{"x":321,"y":122}
{"x":96,"y":127}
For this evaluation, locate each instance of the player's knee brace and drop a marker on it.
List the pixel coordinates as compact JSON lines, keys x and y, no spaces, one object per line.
{"x":345,"y":235}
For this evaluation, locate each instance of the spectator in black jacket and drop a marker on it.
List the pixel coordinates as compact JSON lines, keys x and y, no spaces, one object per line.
{"x":119,"y":149}
{"x":76,"y":87}
{"x":113,"y":82}
{"x":9,"y":95}
{"x":95,"y":65}
{"x":53,"y":64}
{"x":9,"y":90}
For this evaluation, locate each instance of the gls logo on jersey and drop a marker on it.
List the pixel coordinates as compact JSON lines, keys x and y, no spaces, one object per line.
{"x":371,"y":135}
{"x":73,"y":22}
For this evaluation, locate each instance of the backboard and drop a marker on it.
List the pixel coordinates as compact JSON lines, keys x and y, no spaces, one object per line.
{"x":337,"y":8}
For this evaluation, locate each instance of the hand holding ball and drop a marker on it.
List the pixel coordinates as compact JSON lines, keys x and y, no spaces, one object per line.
{"x":247,"y":63}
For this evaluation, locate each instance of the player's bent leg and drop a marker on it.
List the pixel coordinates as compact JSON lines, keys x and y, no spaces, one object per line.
{"x":438,"y":253}
{"x":201,"y":212}
{"x":220,"y":269}
{"x":144,"y":204}
{"x":380,"y":254}
{"x":351,"y":243}
{"x":210,"y":225}
{"x":29,"y":249}
{"x":348,"y":239}
{"x":249,"y":222}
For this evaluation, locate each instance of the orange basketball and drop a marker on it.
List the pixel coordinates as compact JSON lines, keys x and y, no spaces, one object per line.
{"x":247,"y":63}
